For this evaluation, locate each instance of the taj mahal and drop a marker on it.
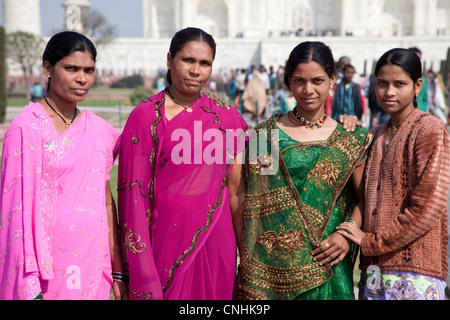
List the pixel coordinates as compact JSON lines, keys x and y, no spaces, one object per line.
{"x":265,"y":31}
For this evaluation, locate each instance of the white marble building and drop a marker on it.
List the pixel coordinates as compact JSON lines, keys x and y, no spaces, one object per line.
{"x":265,"y":31}
{"x":260,"y":18}
{"x":15,"y":18}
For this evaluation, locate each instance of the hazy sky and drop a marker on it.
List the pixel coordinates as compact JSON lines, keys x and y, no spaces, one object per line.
{"x":126,"y":15}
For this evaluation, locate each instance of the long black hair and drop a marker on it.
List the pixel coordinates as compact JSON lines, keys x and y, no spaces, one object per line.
{"x":306,"y":52}
{"x":182,"y":37}
{"x":65,"y":43}
{"x":406,"y":59}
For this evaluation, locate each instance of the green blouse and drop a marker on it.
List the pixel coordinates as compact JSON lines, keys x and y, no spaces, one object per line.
{"x":291,"y":207}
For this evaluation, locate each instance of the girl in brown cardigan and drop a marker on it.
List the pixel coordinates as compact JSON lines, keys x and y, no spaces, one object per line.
{"x":404,"y":236}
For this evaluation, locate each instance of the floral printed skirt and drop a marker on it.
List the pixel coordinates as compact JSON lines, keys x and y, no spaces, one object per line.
{"x":396,"y":285}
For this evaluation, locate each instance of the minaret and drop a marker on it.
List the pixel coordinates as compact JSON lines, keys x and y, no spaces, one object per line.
{"x":23,"y":15}
{"x":76,"y":13}
{"x":150,"y":19}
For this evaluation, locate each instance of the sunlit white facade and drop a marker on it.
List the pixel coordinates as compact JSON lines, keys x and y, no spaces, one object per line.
{"x":265,"y":31}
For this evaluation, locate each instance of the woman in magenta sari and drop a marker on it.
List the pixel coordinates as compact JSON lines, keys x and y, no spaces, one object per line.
{"x":178,"y":190}
{"x":58,"y":236}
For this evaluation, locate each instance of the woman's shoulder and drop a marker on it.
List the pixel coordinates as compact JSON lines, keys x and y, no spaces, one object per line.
{"x":228,"y":114}
{"x":28,"y":115}
{"x":359,"y":132}
{"x":146,"y":109}
{"x":428,"y":126}
{"x":26,"y":125}
{"x":430,"y":120}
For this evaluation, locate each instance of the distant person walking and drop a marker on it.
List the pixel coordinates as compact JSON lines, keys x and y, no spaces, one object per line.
{"x":348,"y":99}
{"x":37,"y":92}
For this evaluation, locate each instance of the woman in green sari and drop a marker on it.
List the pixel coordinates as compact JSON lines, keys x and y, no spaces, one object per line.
{"x":297,"y":168}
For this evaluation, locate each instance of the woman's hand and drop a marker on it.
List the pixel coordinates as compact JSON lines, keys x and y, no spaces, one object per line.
{"x":351,"y":232}
{"x":350,"y":122}
{"x":120,"y":290}
{"x":332,"y":250}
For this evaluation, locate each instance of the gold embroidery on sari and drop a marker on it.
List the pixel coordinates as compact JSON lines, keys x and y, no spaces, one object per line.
{"x":158,"y":118}
{"x":257,"y":206}
{"x":347,"y":144}
{"x":325,"y":171}
{"x":217,"y":102}
{"x":133,"y":241}
{"x":315,"y":216}
{"x":147,"y":296}
{"x":290,"y":240}
{"x":281,"y":279}
{"x":247,"y":293}
{"x":262,"y":161}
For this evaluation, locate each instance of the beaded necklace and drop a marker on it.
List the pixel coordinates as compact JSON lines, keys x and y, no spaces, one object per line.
{"x":303,"y":122}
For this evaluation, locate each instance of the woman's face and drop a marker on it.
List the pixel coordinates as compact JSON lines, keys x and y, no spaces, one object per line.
{"x":191,"y":67}
{"x":310,"y":85}
{"x":72,"y":77}
{"x":395,"y":90}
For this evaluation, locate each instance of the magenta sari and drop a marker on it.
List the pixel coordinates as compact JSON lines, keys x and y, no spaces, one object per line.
{"x":53,"y":223}
{"x":174,"y":210}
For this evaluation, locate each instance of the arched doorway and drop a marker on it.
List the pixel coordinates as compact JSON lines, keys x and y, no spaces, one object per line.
{"x":443,"y":17}
{"x":401,"y":13}
{"x":302,"y":18}
{"x":212,"y":16}
{"x":164,"y":14}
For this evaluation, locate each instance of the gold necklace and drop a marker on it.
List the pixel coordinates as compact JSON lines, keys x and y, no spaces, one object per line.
{"x":307,"y":123}
{"x":67,"y":124}
{"x":394,"y":128}
{"x":180,"y":103}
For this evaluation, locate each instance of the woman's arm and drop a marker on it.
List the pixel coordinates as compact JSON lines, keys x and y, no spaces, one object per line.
{"x":120,"y":288}
{"x":237,"y":188}
{"x":351,"y":229}
{"x":335,"y":247}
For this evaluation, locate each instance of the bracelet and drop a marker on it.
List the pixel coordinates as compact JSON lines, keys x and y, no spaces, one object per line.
{"x":351,"y":221}
{"x":39,"y":297}
{"x":117,"y":276}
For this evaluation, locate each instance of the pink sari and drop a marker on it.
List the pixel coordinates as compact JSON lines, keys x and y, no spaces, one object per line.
{"x":53,"y":224}
{"x":174,"y":210}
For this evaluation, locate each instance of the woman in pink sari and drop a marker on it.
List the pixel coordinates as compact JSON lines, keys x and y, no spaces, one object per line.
{"x":178,"y":190}
{"x":57,"y":228}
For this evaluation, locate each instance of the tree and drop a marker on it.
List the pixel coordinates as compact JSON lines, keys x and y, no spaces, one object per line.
{"x":98,"y":28}
{"x":91,"y":23}
{"x":26,"y":50}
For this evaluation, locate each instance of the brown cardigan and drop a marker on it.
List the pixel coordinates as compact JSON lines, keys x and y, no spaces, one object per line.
{"x":406,"y":192}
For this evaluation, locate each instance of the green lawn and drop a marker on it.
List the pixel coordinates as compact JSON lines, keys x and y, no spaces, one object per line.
{"x":20,"y":102}
{"x":113,"y":182}
{"x":100,"y":102}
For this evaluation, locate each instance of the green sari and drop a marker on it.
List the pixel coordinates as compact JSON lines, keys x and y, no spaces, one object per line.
{"x":297,"y":193}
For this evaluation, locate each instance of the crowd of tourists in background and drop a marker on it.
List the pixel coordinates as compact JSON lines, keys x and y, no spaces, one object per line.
{"x":259,"y":92}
